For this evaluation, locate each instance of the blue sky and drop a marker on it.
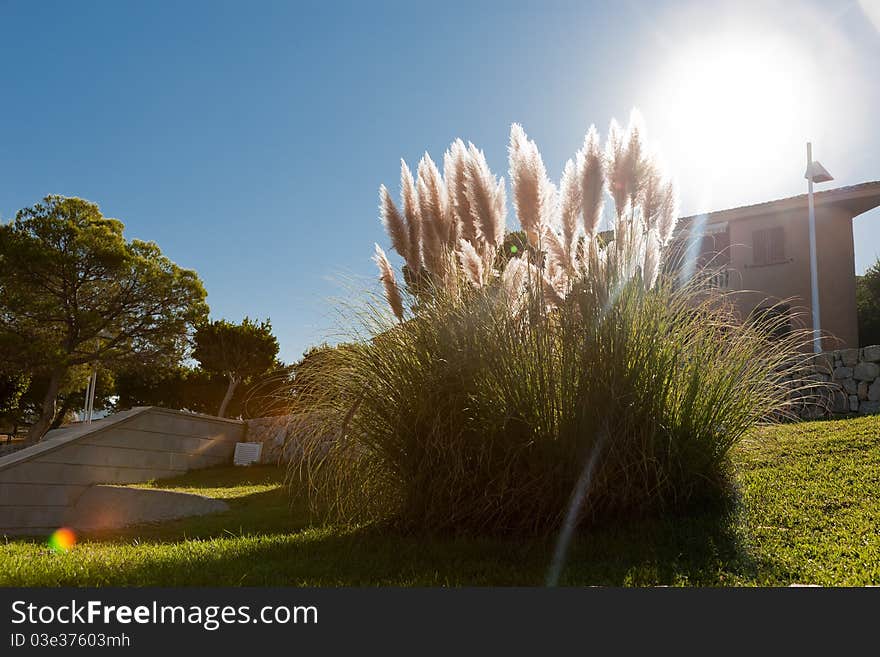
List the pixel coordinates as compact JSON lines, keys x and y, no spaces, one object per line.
{"x":249,"y":139}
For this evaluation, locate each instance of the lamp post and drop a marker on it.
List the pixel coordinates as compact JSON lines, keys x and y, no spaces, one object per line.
{"x":93,"y":380}
{"x":815,"y":173}
{"x":90,"y":396}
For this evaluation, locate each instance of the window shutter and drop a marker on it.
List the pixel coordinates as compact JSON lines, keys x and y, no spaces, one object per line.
{"x":777,"y":244}
{"x":759,"y":247}
{"x":768,"y":246}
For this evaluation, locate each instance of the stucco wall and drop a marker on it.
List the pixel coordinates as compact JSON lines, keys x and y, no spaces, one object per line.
{"x":837,"y":278}
{"x":789,"y":279}
{"x":38,"y":484}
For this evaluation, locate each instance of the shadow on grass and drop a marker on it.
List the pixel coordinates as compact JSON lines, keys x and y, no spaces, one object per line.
{"x":263,"y":540}
{"x":261,"y":513}
{"x":702,"y":549}
{"x":223,"y":476}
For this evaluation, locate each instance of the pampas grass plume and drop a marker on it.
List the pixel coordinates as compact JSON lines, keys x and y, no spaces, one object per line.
{"x":389,"y":282}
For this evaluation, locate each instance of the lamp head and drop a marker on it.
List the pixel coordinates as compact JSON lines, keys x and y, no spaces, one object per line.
{"x":817,"y":173}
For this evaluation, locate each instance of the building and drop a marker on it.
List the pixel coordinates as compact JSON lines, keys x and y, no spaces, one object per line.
{"x":763,"y":250}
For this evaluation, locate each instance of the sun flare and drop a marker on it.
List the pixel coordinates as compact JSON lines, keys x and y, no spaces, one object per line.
{"x":735,"y":104}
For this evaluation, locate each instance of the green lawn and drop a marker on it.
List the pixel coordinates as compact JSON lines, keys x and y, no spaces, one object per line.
{"x":808,"y":511}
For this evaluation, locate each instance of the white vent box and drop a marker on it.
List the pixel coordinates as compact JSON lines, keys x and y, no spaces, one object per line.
{"x":247,"y":453}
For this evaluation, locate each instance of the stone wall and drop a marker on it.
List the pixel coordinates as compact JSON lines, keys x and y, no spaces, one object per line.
{"x":41,"y":483}
{"x":848,"y":383}
{"x":857,"y":372}
{"x":276,"y":436}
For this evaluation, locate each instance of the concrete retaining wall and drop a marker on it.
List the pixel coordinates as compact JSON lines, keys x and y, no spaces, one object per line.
{"x":39,"y":484}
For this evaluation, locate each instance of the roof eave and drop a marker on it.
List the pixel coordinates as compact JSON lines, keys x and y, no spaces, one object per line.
{"x":857,"y":200}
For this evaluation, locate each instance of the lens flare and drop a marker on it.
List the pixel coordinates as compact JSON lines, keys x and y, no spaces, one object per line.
{"x":578,"y":496}
{"x":62,"y":540}
{"x":695,"y":239}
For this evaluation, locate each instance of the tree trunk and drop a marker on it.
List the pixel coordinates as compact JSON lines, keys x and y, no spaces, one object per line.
{"x":61,"y":413}
{"x":47,"y":413}
{"x":230,"y":390}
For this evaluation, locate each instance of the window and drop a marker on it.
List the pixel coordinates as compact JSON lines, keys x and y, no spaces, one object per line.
{"x":715,"y":249}
{"x":776,"y":320}
{"x":768,"y":246}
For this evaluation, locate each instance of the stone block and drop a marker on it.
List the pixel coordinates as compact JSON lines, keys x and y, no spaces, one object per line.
{"x":871,"y":353}
{"x":850,"y":386}
{"x":853,"y":403}
{"x":866,"y":371}
{"x":863,"y":390}
{"x":869,"y":407}
{"x":823,"y":363}
{"x":874,"y":391}
{"x":838,"y":401}
{"x":849,"y":357}
{"x":841,"y":373}
{"x":813,"y":412}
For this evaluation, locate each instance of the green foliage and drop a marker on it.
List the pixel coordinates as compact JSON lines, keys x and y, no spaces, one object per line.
{"x":268,"y":395}
{"x":477,"y":416}
{"x":236,"y":350}
{"x":868,"y":305}
{"x":193,"y":389}
{"x":70,"y":395}
{"x":240,"y":352}
{"x":515,"y":245}
{"x":180,"y":387}
{"x":12,"y":387}
{"x":74,"y":292}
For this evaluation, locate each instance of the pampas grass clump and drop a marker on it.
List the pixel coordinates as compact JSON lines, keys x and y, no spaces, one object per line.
{"x":574,"y":380}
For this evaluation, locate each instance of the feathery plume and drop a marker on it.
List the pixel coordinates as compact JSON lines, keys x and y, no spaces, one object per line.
{"x":458,"y":219}
{"x":651,"y":196}
{"x":432,"y":255}
{"x":651,"y":267}
{"x":433,"y":215}
{"x":615,"y":163}
{"x":630,"y":240}
{"x":519,"y":276}
{"x":513,"y":281}
{"x":454,"y":163}
{"x":582,"y":253}
{"x":569,"y":207}
{"x":471,"y":263}
{"x":591,"y":171}
{"x":394,"y":223}
{"x":636,"y":163}
{"x":667,"y":212}
{"x":389,"y":282}
{"x":484,"y":194}
{"x":411,"y":214}
{"x":552,"y":296}
{"x":500,"y":213}
{"x":637,"y":242}
{"x":558,"y":260}
{"x":604,"y":255}
{"x":432,"y":198}
{"x":533,"y":193}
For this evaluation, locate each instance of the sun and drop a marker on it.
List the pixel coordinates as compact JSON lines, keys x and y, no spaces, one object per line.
{"x":730,"y":105}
